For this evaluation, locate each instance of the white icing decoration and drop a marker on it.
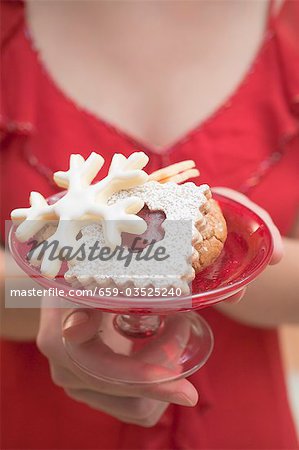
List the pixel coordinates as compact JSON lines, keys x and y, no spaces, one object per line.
{"x":85,"y":201}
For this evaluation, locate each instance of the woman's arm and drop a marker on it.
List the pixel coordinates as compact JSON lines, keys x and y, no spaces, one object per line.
{"x":272,"y":299}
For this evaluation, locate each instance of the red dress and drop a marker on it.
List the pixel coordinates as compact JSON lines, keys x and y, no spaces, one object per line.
{"x":252,"y":144}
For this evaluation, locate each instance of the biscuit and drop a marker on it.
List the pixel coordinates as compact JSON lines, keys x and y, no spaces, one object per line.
{"x":214,"y":235}
{"x":177,"y":173}
{"x":200,"y":242}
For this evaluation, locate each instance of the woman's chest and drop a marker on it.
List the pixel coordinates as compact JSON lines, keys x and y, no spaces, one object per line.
{"x":154,"y":71}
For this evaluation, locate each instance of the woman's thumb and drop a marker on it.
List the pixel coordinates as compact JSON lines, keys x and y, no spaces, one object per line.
{"x":80,"y":325}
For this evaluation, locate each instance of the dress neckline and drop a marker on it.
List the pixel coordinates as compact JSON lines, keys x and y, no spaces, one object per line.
{"x":128,"y":137}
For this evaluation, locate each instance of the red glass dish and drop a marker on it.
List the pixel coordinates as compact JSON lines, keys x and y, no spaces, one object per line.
{"x":162,"y":332}
{"x":246,"y":252}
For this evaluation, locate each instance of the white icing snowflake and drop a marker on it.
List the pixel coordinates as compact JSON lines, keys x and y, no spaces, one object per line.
{"x":84,"y":201}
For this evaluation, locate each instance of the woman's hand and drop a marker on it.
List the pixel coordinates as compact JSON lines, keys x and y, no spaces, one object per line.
{"x":278,"y":245}
{"x":278,"y":250}
{"x":137,"y":404}
{"x":272,"y":299}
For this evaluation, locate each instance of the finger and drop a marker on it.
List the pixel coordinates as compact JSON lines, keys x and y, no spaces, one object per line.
{"x":181,"y":392}
{"x":236,"y":297}
{"x":64,"y":378}
{"x":278,"y":250}
{"x":80,"y":325}
{"x":145,"y":412}
{"x":94,"y":323}
{"x":77,"y":324}
{"x":101,"y":359}
{"x":50,"y":335}
{"x":81,"y":330}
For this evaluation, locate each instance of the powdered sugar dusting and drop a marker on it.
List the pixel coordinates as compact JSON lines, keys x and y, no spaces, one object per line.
{"x":180,"y":203}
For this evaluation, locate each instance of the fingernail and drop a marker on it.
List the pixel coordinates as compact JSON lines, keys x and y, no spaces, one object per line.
{"x":76,"y":318}
{"x":183,"y":399}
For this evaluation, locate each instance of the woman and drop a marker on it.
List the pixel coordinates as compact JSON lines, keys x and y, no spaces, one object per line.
{"x":155,"y":70}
